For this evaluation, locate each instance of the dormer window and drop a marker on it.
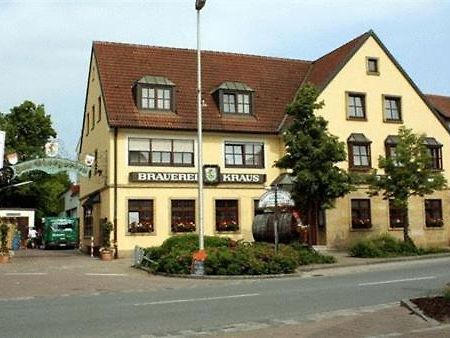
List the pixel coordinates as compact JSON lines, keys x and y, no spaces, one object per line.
{"x":435,"y":151}
{"x":155,"y":93}
{"x":359,"y":152}
{"x":235,"y":98}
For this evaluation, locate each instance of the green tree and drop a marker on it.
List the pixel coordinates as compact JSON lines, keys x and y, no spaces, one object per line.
{"x":313,"y":154}
{"x":27,"y":130}
{"x":407,"y":172}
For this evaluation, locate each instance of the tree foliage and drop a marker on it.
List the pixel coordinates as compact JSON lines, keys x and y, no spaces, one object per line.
{"x":407,"y":173}
{"x":313,"y":153}
{"x":28,"y":128}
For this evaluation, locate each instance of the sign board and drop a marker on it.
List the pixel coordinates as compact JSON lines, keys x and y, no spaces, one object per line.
{"x":283,"y":197}
{"x":51,"y":166}
{"x":192,"y":177}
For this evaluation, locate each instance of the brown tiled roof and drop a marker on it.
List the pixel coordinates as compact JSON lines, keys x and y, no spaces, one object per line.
{"x":325,"y":68}
{"x":441,"y":103}
{"x":274,"y":80}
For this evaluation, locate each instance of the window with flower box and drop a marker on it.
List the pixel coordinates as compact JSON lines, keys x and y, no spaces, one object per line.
{"x":397,"y":216}
{"x":361,"y":218}
{"x":183,"y":215}
{"x":140,"y":216}
{"x":433,"y":213}
{"x":227,"y":215}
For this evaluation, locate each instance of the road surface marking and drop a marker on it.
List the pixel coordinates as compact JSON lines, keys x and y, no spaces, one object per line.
{"x":397,"y":281}
{"x":197,"y":299}
{"x":16,"y":299}
{"x":26,"y":273}
{"x":106,"y":274}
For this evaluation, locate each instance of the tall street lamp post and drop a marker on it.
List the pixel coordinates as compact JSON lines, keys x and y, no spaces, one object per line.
{"x":199,"y":257}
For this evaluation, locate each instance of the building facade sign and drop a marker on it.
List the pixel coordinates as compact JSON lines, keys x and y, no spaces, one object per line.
{"x":50,"y":166}
{"x":192,"y":178}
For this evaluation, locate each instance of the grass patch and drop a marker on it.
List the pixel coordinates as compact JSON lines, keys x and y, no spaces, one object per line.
{"x":228,"y":257}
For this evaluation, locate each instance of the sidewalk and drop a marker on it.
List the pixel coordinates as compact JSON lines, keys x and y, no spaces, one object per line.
{"x":389,"y":320}
{"x":344,"y":260}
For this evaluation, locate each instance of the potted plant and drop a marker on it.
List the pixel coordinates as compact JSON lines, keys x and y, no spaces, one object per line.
{"x":183,"y":226}
{"x":4,"y":250}
{"x":227,"y":225}
{"x":106,"y":252}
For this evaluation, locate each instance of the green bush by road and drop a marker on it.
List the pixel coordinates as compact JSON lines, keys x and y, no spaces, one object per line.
{"x":228,"y":257}
{"x":388,"y":246}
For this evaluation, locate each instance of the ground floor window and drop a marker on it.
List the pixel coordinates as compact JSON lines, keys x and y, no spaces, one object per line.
{"x":183,"y":215}
{"x":140,"y":216}
{"x":397,"y":216}
{"x":361,"y":218}
{"x":433,"y":213}
{"x":227,"y":215}
{"x":88,"y":229}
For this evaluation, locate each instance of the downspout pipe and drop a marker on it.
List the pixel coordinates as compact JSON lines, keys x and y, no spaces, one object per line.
{"x":116,"y":249}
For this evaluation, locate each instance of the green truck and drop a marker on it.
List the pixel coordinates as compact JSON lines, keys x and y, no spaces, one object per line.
{"x":60,"y":232}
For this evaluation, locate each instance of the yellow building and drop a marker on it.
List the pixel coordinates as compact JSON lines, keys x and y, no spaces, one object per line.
{"x":140,"y":125}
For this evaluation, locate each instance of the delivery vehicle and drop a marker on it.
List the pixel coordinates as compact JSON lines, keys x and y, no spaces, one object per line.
{"x":60,"y":232}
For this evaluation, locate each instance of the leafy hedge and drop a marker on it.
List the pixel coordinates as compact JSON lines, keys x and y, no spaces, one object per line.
{"x":387,"y":246}
{"x":447,"y":292}
{"x":228,"y":257}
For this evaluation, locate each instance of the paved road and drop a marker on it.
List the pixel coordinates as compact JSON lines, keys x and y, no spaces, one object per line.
{"x":90,"y":298}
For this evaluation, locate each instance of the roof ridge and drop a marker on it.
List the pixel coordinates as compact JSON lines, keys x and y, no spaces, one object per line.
{"x":368,"y":33}
{"x":112,"y":43}
{"x":438,"y":95}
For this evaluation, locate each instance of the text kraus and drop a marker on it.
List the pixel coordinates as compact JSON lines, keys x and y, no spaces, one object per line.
{"x":192,"y":177}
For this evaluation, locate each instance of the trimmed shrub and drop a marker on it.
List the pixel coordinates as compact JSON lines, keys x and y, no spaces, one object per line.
{"x":227,"y":257}
{"x":388,"y":246}
{"x":447,"y":292}
{"x":190,"y":242}
{"x":365,"y":248}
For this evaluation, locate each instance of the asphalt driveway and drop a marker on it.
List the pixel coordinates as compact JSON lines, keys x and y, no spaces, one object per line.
{"x":37,"y":273}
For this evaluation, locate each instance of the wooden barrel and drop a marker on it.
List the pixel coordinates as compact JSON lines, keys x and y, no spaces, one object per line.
{"x":262,"y":228}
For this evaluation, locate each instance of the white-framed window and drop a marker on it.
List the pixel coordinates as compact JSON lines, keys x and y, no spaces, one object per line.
{"x":161,"y":152}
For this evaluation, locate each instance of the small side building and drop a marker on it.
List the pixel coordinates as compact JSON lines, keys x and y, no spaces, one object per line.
{"x":70,"y":200}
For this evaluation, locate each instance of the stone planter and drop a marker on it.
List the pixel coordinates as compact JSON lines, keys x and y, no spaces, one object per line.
{"x":106,"y":255}
{"x":4,"y":259}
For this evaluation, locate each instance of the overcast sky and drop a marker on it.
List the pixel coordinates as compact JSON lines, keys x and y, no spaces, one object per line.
{"x":46,"y":44}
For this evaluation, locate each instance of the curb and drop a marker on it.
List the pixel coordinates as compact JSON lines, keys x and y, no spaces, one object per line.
{"x":415,"y":309}
{"x":301,"y":269}
{"x":371,"y":261}
{"x":218,"y":277}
